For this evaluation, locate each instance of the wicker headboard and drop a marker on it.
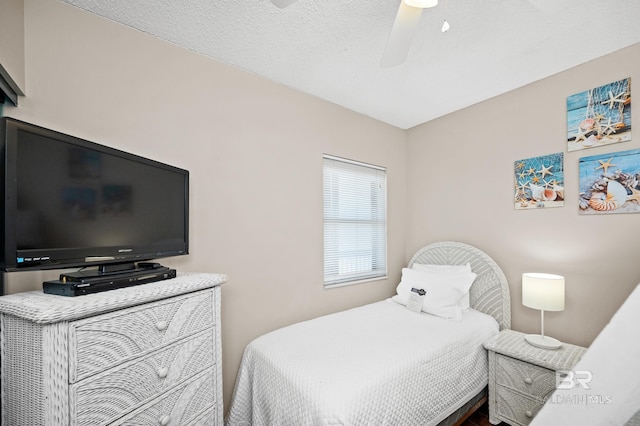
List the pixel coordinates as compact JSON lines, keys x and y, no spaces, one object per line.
{"x":490,"y":291}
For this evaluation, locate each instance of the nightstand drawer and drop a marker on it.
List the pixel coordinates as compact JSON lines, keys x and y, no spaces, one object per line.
{"x":527,"y":378}
{"x":516,"y":408}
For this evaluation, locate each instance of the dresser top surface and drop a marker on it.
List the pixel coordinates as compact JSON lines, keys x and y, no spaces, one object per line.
{"x":512,"y":343}
{"x":45,"y":308}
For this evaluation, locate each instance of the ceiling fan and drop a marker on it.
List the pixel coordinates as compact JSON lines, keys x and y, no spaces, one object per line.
{"x":406,"y":24}
{"x":402,"y":32}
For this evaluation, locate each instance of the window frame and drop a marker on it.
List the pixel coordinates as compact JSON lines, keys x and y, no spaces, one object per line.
{"x":376,"y":255}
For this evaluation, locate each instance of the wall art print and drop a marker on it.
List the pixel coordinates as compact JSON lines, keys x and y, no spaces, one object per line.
{"x":599,"y":116}
{"x":539,"y":182}
{"x":610,"y":183}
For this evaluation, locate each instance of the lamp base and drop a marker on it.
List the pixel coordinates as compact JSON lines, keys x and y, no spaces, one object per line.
{"x":544,"y":342}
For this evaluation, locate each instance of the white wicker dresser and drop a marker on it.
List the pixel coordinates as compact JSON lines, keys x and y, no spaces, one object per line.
{"x":143,"y":355}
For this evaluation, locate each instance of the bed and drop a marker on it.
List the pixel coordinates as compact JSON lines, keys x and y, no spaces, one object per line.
{"x":380,"y":363}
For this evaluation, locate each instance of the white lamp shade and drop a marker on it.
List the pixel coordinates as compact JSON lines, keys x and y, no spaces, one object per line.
{"x":423,"y":4}
{"x":543,"y":291}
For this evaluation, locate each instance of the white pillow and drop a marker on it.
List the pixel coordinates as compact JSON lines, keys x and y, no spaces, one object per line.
{"x":439,"y":301}
{"x":461,"y":273}
{"x":459,"y":280}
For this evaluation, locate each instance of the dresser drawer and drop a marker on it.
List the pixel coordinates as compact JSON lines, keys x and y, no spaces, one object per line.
{"x":103,"y":341}
{"x":208,"y":418}
{"x":184,"y":405}
{"x":530,"y":379}
{"x":103,"y":398}
{"x":516,"y":408}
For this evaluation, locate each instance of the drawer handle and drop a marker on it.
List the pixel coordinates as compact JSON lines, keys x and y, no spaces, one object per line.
{"x":528,"y":413}
{"x":528,"y":380}
{"x":164,"y":420}
{"x":162,"y":373}
{"x":161,"y":325}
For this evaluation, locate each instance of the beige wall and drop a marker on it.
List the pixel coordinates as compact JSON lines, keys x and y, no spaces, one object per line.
{"x":254,"y":150}
{"x":12,"y":43}
{"x":460,"y":187}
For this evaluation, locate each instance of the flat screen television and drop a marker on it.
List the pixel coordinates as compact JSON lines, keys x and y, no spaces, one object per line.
{"x":69,"y":202}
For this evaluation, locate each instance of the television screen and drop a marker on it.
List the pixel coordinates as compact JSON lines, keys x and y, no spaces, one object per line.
{"x":70,"y":202}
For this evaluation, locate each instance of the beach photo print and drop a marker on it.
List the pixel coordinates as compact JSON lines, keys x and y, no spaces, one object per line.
{"x":539,"y":182}
{"x":599,"y":116}
{"x":610,"y":183}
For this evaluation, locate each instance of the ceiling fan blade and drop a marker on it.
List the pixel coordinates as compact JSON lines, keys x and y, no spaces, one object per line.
{"x":548,"y":6}
{"x":404,"y":28}
{"x":283,"y":3}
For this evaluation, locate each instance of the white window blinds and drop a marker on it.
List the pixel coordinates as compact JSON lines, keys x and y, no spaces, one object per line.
{"x":355,"y":221}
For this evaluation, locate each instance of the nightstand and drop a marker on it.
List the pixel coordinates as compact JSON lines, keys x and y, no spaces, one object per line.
{"x":522,"y":377}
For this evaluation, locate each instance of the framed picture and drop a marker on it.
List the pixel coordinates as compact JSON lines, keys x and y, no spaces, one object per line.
{"x":599,"y":116}
{"x":539,"y":182}
{"x":610,"y":183}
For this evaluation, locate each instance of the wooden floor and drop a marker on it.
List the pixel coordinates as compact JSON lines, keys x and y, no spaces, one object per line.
{"x":479,"y":418}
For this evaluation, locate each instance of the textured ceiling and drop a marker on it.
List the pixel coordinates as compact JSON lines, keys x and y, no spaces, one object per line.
{"x":332,"y":48}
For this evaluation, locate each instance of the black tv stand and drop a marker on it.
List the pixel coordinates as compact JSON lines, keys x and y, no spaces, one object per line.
{"x":116,"y":267}
{"x":109,"y":271}
{"x":107,"y":277}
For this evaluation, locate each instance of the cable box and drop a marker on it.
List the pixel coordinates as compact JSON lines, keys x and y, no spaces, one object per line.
{"x":109,"y":282}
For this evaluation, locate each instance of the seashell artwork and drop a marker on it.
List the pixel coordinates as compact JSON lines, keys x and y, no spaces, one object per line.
{"x":539,"y":182}
{"x":600,"y":202}
{"x":583,"y":204}
{"x":537,"y":192}
{"x":590,"y":141}
{"x":587,"y":123}
{"x":599,"y":116}
{"x":541,"y":193}
{"x":615,"y":197}
{"x":609,"y":183}
{"x":549,"y":194}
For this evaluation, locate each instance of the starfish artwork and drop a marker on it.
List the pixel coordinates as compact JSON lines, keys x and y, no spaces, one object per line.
{"x":581,"y":135}
{"x":604,"y":165}
{"x":545,"y":170}
{"x":599,"y":116}
{"x":610,"y":183}
{"x":608,"y":128}
{"x":615,"y":99}
{"x":543,"y":183}
{"x":635,"y":196}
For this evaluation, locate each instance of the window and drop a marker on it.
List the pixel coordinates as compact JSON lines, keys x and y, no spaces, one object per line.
{"x":355,"y":221}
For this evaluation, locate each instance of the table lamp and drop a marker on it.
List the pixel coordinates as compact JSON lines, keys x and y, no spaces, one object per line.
{"x":544,"y":292}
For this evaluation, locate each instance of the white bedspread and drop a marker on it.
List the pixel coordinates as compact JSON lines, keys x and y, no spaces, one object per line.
{"x":379,"y":364}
